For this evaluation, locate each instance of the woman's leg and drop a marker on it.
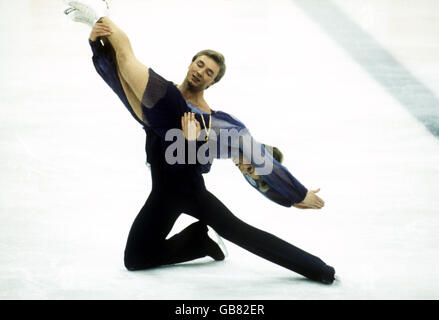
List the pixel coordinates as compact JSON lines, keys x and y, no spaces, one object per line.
{"x":211,"y":211}
{"x":132,"y":99}
{"x":134,"y":73}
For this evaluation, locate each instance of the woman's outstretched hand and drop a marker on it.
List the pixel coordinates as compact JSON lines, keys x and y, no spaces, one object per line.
{"x":100,"y":29}
{"x":190,"y":126}
{"x":311,"y":201}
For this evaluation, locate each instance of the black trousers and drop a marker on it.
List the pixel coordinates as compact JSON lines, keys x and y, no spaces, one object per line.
{"x":147,"y":246}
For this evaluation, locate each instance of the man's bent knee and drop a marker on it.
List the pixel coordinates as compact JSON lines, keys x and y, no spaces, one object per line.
{"x":133,"y":262}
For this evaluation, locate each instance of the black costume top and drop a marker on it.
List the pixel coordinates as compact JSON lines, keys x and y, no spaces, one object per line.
{"x":162,"y":107}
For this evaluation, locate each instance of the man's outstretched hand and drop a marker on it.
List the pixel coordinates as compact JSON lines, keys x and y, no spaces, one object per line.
{"x":311,"y":201}
{"x":100,"y":29}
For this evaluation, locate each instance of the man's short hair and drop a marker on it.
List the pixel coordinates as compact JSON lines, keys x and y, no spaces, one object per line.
{"x":217,"y":57}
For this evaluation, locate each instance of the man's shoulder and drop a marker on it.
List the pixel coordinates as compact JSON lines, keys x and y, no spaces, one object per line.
{"x":157,"y":88}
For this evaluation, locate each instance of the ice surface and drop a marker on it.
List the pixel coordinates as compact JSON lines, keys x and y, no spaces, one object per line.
{"x":72,"y":159}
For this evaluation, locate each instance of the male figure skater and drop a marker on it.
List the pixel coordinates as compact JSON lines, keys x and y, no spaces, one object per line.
{"x":181,"y":188}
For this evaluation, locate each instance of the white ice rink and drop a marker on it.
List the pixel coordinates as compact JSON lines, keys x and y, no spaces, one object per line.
{"x":346,"y":89}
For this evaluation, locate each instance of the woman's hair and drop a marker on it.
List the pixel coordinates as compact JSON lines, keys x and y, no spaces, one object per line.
{"x":217,"y":57}
{"x":278,"y":156}
{"x":275,"y":152}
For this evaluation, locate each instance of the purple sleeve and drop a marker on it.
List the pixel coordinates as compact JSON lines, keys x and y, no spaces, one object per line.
{"x":271,"y":193}
{"x":283,"y":183}
{"x":283,"y":187}
{"x":106,"y":67}
{"x":162,"y":103}
{"x":280,"y":181}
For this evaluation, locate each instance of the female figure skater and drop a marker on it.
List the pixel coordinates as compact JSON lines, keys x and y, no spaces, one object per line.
{"x":159,"y":106}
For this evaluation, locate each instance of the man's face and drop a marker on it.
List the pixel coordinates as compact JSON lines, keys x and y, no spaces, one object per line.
{"x":202,"y":72}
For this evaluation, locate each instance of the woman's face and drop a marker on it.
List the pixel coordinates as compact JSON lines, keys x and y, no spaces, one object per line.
{"x":246,"y":167}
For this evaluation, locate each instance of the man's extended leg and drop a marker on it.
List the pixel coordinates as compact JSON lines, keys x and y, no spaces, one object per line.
{"x":211,"y":211}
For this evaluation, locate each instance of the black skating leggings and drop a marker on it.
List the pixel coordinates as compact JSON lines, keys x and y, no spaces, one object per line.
{"x":147,"y":246}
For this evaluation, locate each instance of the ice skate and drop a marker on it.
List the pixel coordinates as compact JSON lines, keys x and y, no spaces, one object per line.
{"x":214,"y":237}
{"x":329,"y":277}
{"x":91,"y":10}
{"x":75,"y":15}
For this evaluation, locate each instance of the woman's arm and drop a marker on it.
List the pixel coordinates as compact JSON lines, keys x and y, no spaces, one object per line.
{"x":275,"y":177}
{"x":311,"y":201}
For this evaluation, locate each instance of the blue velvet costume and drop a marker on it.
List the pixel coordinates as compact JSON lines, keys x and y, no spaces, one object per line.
{"x":162,"y":108}
{"x":178,"y":188}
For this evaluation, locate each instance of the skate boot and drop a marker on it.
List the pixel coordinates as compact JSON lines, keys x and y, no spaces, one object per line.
{"x":215,"y":245}
{"x":77,"y":16}
{"x":90,"y":9}
{"x":329,"y":275}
